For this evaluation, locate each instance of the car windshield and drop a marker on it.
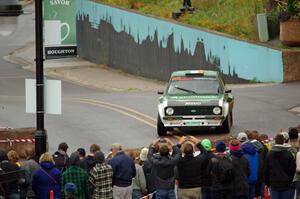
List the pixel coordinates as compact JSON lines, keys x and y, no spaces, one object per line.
{"x":197,"y":85}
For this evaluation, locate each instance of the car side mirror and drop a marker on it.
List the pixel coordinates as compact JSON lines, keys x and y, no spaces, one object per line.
{"x":228,"y":91}
{"x":160,"y":92}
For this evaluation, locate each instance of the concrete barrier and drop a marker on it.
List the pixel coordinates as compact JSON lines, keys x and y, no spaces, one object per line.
{"x":154,"y":47}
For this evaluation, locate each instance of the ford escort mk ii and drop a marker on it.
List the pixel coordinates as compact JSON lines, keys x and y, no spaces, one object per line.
{"x":195,"y":98}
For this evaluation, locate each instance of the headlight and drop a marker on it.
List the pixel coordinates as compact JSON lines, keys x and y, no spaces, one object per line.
{"x":217,"y":110}
{"x":170,"y":111}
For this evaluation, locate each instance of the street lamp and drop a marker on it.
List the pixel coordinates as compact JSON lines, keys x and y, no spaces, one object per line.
{"x":10,"y":8}
{"x":40,"y":134}
{"x":14,"y":8}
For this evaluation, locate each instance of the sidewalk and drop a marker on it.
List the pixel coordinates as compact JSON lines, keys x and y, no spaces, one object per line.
{"x":85,"y":73}
{"x":82,"y":72}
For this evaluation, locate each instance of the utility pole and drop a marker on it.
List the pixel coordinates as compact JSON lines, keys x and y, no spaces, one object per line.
{"x":40,"y":134}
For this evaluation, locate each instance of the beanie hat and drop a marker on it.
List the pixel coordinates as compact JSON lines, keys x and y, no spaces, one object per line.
{"x":70,"y":188}
{"x":286,"y":136}
{"x":206,"y":143}
{"x":74,"y":159}
{"x":234,"y":147}
{"x":242,"y":137}
{"x":293,"y":134}
{"x":143,"y":154}
{"x":99,"y":157}
{"x":220,"y":146}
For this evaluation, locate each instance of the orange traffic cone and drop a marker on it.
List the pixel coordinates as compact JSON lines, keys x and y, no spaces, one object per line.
{"x":51,"y":194}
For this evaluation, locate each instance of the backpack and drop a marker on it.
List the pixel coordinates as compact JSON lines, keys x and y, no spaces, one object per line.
{"x":61,"y":161}
{"x":224,"y":170}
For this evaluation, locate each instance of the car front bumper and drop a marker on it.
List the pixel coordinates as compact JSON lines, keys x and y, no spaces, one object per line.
{"x":184,"y":122}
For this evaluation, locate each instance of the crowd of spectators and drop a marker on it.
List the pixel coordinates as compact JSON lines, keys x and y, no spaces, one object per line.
{"x":245,"y":167}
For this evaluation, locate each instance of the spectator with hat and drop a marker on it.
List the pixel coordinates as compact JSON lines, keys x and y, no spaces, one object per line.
{"x":70,"y":190}
{"x":101,"y":178}
{"x":241,"y":169}
{"x":61,"y":157}
{"x":280,"y":170}
{"x":206,"y":182}
{"x":123,"y":172}
{"x":287,"y":143}
{"x":220,"y":168}
{"x":78,"y":176}
{"x":139,"y":181}
{"x":242,"y":137}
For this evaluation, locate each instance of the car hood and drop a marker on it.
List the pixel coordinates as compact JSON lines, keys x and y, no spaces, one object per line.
{"x":194,"y":100}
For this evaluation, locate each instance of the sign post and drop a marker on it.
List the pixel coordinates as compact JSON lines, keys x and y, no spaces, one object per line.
{"x":40,"y":134}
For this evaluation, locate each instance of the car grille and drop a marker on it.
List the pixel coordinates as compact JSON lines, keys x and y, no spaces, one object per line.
{"x":192,"y":110}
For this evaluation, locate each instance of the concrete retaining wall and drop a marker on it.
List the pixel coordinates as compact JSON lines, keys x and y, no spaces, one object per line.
{"x":154,"y":47}
{"x":291,"y":62}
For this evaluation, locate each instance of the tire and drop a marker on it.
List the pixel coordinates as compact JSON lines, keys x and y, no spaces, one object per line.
{"x":226,"y":126}
{"x":231,"y":118}
{"x":161,"y":129}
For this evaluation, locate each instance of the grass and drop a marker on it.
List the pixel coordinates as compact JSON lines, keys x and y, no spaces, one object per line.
{"x":234,"y":17}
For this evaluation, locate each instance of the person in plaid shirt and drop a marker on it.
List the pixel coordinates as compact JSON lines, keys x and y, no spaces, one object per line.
{"x":101,"y":178}
{"x":74,"y":174}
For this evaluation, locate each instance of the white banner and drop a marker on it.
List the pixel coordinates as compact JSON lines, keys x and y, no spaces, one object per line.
{"x":52,"y":96}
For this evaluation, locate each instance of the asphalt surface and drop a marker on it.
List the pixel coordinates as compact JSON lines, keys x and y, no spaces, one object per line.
{"x":104,"y":117}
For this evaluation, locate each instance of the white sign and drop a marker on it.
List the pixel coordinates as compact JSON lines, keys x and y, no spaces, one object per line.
{"x":52,"y":96}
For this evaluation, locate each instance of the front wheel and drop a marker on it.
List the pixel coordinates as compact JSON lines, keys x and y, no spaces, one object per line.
{"x":161,"y":129}
{"x":226,"y":126}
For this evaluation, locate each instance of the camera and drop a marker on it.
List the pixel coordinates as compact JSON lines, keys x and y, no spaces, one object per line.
{"x":188,"y":138}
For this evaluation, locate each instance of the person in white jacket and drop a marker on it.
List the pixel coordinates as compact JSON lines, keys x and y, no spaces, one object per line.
{"x":139,"y":181}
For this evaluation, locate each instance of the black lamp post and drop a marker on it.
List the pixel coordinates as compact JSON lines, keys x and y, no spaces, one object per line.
{"x":14,"y":8}
{"x":40,"y":134}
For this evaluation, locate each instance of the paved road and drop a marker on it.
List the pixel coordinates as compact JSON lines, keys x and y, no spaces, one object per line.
{"x":101,"y":116}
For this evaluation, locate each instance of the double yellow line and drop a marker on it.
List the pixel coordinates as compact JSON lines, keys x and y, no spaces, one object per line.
{"x":129,"y":112}
{"x":146,"y":119}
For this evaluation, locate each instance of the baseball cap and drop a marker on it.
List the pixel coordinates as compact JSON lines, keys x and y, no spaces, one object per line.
{"x":242,"y":137}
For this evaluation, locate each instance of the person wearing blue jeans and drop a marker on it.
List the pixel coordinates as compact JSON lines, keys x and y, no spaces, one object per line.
{"x":281,"y":194}
{"x":206,"y":192}
{"x":251,"y":190}
{"x":14,"y":196}
{"x":165,"y":194}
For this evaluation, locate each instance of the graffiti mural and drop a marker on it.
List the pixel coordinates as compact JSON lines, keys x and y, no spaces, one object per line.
{"x":154,"y":48}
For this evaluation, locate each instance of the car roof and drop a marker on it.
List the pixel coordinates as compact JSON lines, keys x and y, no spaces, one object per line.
{"x":209,"y":73}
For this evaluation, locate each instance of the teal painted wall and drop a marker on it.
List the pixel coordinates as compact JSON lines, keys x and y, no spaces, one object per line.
{"x":249,"y":61}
